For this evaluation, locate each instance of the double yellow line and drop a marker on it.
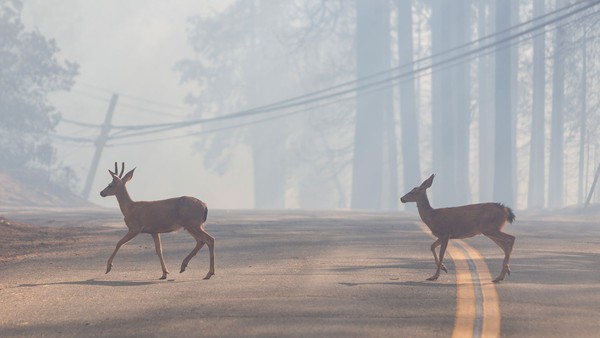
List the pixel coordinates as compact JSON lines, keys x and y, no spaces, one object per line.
{"x":477,"y":304}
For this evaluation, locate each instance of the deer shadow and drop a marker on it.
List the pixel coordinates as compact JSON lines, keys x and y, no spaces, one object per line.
{"x":95,"y":282}
{"x":405,"y":283}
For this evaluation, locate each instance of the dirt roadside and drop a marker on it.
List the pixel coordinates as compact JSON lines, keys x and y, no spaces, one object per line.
{"x":20,"y":240}
{"x":49,"y":232}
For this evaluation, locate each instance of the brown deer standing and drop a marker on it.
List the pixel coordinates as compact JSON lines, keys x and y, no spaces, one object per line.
{"x":156,"y":217}
{"x":463,"y":222}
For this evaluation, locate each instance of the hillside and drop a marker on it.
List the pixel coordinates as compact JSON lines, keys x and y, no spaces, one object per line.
{"x":14,"y":192}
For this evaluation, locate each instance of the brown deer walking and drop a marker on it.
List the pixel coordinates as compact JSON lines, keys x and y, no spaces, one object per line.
{"x":156,"y":217}
{"x":463,"y":222}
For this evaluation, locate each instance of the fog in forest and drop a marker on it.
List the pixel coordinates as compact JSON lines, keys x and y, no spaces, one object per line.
{"x":306,"y":104}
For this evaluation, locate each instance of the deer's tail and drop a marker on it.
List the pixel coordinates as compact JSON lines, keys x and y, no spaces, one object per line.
{"x":511,"y":216}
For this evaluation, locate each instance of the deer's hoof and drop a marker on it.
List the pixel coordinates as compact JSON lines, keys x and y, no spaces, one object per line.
{"x":163,"y":277}
{"x":443,"y":268}
{"x":108,"y":268}
{"x":208,"y":275}
{"x":499,"y":278}
{"x":432,"y":278}
{"x":182,"y":268}
{"x":505,"y":271}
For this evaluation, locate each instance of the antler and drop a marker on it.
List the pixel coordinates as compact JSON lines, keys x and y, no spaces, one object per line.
{"x":113,"y":173}
{"x":116,"y":172}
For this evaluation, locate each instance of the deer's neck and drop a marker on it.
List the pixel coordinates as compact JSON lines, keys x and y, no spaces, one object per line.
{"x":124,"y":200}
{"x":425,"y":210}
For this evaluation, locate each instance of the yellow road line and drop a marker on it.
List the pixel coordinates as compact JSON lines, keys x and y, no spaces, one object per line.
{"x":491,"y":302}
{"x":465,"y":296}
{"x":477,"y":303}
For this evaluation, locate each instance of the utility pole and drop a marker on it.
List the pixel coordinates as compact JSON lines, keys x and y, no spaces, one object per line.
{"x":100,"y":142}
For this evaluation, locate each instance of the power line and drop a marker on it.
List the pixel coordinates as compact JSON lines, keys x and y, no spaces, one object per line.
{"x":390,"y":80}
{"x":72,"y":138}
{"x":236,"y":126}
{"x":130,"y":106}
{"x":304,"y":99}
{"x":150,"y":111}
{"x":167,"y":105}
{"x":282,"y":104}
{"x":356,"y":94}
{"x":430,"y":57}
{"x":135,"y":98}
{"x":80,"y":124}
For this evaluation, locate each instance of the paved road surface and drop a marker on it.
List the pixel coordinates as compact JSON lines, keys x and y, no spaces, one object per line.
{"x":300,"y":274}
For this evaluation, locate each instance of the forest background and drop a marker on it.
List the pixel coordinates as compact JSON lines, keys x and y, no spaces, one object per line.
{"x":304,"y":104}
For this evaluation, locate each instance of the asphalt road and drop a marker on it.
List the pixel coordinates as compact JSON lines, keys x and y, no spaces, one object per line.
{"x":297,"y":274}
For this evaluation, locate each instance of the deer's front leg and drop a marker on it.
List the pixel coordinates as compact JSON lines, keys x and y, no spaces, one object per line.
{"x":128,"y":236}
{"x":158,"y":247}
{"x":444,"y":242}
{"x":437,"y":262}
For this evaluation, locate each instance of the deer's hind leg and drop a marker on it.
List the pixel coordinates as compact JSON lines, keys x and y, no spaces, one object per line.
{"x":199,"y":245}
{"x":505,"y":242}
{"x":210,"y":242}
{"x":437,"y":262}
{"x":158,"y":247}
{"x":202,"y":237}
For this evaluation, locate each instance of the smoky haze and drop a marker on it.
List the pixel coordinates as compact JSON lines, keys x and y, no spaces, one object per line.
{"x":323,"y":105}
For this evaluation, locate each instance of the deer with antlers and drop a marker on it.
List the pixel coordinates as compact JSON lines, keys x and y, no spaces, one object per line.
{"x":156,"y":217}
{"x":463,"y":222}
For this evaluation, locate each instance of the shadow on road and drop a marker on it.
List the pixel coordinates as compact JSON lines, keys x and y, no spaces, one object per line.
{"x":407,"y":283}
{"x":100,"y":283}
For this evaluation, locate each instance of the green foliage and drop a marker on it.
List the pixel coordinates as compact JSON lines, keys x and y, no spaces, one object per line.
{"x":29,"y":71}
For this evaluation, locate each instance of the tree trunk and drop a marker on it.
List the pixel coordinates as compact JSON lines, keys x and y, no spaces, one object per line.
{"x":408,"y":108}
{"x":441,"y":116}
{"x":556,"y":173}
{"x":391,"y":184}
{"x":372,"y":56}
{"x":461,"y":101}
{"x":268,"y":154}
{"x":450,"y":108}
{"x":514,"y":86}
{"x":535,"y":197}
{"x":266,"y":140}
{"x":582,"y":120}
{"x":486,"y":106}
{"x":503,"y":154}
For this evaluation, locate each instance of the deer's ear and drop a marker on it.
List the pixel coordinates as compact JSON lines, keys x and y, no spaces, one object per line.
{"x":128,"y":176}
{"x":428,"y":182}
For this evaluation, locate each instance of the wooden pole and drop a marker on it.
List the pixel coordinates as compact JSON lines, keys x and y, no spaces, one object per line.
{"x":100,"y":142}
